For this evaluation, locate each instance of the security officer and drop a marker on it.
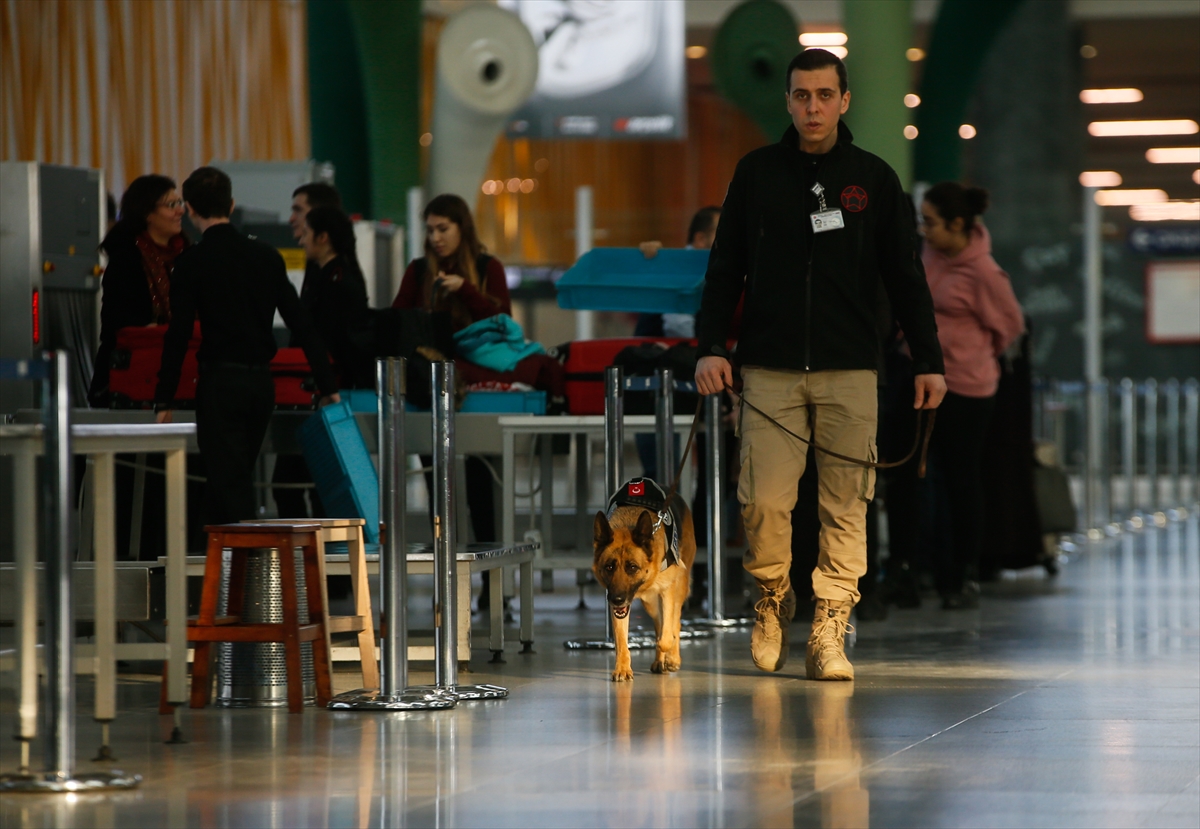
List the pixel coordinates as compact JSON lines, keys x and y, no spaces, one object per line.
{"x":234,"y":284}
{"x":810,"y":227}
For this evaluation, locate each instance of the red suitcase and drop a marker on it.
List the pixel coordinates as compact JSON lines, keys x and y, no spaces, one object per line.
{"x":586,"y":361}
{"x":136,"y":360}
{"x":294,"y":385}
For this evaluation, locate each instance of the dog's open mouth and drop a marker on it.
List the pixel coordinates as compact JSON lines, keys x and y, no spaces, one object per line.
{"x":620,"y":612}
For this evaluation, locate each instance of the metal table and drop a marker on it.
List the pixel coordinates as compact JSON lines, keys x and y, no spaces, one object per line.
{"x":101,"y":443}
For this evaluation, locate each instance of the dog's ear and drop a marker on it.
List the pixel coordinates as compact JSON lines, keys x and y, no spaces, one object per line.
{"x":643,"y":531}
{"x":602,"y":532}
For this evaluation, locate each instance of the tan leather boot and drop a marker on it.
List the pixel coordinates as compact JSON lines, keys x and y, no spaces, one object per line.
{"x":826,"y":657}
{"x":769,"y":639}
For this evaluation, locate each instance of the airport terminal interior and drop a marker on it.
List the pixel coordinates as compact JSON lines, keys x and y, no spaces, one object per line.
{"x":617,"y":413}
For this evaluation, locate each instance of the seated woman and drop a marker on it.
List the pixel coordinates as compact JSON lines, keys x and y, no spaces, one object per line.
{"x":336,"y":295}
{"x":458,"y":276}
{"x":141,"y":247}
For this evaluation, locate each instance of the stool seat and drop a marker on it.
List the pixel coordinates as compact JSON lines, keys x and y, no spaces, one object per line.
{"x":208,"y":628}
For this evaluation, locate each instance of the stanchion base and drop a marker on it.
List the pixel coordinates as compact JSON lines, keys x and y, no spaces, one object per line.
{"x":411,"y":699}
{"x":102,"y":781}
{"x":718,"y":624}
{"x":467,"y":693}
{"x":636,"y":643}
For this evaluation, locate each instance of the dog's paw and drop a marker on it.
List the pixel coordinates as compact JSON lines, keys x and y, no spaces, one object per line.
{"x":622,"y":675}
{"x":665,"y":664}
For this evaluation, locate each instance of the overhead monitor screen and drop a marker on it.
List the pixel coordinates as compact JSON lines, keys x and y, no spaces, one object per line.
{"x":606,"y":69}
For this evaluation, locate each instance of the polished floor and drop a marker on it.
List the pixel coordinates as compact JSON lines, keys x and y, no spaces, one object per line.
{"x":1066,"y":702}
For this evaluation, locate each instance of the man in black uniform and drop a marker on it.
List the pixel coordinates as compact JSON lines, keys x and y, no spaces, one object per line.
{"x":810,"y":228}
{"x":234,"y":284}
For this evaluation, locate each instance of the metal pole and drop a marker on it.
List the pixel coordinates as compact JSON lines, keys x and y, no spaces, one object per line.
{"x":614,"y":429}
{"x":664,"y":425}
{"x":585,"y":321}
{"x":1191,"y":393}
{"x":394,"y":693}
{"x":1129,"y":444}
{"x":716,"y":570}
{"x":1171,"y":392}
{"x":1150,"y":436}
{"x":58,"y":712}
{"x":59,"y":722}
{"x":445,"y":575}
{"x":1092,"y":362}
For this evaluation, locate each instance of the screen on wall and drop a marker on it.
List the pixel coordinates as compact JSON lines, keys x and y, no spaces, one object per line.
{"x":606,"y":69}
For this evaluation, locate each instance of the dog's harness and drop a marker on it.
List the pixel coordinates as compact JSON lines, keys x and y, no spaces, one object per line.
{"x":668,"y":509}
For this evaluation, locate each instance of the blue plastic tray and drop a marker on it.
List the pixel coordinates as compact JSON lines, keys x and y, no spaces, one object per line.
{"x":496,"y":402}
{"x":622,"y":279}
{"x":341,"y":466}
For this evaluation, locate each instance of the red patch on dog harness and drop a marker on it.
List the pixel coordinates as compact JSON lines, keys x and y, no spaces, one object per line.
{"x":637,"y":489}
{"x":854,"y":199}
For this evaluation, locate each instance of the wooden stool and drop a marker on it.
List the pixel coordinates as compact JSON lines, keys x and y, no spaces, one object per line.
{"x":363,"y":621}
{"x":209,"y":628}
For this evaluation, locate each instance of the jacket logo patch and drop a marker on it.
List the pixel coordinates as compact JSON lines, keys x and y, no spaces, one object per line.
{"x":854,"y":199}
{"x":638,"y":488}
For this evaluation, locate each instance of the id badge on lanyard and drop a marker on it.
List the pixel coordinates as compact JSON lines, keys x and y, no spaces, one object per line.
{"x":825,"y":219}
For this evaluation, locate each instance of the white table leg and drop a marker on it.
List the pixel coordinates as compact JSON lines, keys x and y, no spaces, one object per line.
{"x":463,"y":574}
{"x":25,"y":536}
{"x":176,"y":495}
{"x":105,"y":555}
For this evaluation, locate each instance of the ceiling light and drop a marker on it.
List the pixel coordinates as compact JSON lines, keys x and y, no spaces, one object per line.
{"x":1088,"y":51}
{"x":1100,"y":178}
{"x":695,"y":52}
{"x":1172,"y":211}
{"x":1110,"y":96}
{"x":1196,"y":176}
{"x":1173,"y":155}
{"x":911,"y":100}
{"x":823,"y":39}
{"x":910,"y":132}
{"x":967,"y":131}
{"x":426,"y":139}
{"x":514,"y":184}
{"x":1179,"y":126}
{"x":1111,"y":198}
{"x":914,"y":54}
{"x":838,"y":51}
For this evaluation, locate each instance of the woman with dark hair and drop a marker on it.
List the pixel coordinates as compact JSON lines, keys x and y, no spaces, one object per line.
{"x":136,"y":287}
{"x":336,"y":295}
{"x":978,"y":317}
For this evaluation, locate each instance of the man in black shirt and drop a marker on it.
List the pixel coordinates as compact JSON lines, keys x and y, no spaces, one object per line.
{"x":811,"y":227}
{"x":233,"y":284}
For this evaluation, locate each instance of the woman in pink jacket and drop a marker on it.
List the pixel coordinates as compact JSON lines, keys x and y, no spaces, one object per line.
{"x":978,"y":317}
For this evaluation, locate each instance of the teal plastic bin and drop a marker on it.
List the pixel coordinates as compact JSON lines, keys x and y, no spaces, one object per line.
{"x":622,"y":279}
{"x":341,"y":466}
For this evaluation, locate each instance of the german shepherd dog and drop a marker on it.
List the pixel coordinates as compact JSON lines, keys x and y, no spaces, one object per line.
{"x":629,"y":561}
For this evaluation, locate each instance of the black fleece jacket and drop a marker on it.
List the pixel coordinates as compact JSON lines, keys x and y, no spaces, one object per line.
{"x":812,"y":299}
{"x":234,"y":283}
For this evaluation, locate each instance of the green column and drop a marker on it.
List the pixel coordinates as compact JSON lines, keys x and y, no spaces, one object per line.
{"x":389,"y":42}
{"x":879,"y":34}
{"x":337,"y":113}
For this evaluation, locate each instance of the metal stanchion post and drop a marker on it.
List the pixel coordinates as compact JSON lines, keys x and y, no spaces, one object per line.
{"x":1150,"y":436}
{"x":1129,"y":445}
{"x":58,"y":710}
{"x":1171,"y":399}
{"x":394,"y":695}
{"x":1191,"y":396}
{"x":445,"y":575}
{"x":664,"y":425}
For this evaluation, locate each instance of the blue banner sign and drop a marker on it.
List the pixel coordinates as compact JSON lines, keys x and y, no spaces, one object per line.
{"x":1165,"y":241}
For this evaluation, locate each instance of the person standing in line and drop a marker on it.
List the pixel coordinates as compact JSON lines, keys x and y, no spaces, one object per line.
{"x":289,"y":470}
{"x":234,"y":285}
{"x":809,"y":228}
{"x":136,"y":287}
{"x":978,"y":317}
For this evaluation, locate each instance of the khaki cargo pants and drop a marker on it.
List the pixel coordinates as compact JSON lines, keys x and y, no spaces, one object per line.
{"x":838,"y":409}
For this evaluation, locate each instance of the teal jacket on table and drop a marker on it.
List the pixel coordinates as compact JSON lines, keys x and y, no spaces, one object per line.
{"x":497,"y":343}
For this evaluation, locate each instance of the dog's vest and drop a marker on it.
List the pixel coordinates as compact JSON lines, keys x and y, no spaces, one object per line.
{"x":645,"y":493}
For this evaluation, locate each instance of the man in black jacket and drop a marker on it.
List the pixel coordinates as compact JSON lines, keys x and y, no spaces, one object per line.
{"x":809,"y":229}
{"x":233,"y":284}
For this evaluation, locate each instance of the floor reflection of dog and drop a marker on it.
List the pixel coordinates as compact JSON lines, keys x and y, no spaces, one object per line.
{"x":630,"y":553}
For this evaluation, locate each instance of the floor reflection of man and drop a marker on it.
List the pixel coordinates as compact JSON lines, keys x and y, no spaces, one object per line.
{"x":845,"y":802}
